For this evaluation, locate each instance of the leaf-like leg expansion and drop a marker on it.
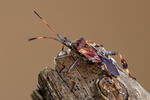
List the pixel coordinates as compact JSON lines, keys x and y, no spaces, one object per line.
{"x":127,"y":70}
{"x":123,"y":61}
{"x":125,"y":65}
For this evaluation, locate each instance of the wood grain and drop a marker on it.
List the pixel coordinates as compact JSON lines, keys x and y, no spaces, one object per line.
{"x":91,"y":83}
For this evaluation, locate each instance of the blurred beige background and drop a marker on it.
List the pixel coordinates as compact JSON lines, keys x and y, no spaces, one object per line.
{"x":121,"y":25}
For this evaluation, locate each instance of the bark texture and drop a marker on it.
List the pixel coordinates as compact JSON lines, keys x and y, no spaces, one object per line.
{"x":91,"y":83}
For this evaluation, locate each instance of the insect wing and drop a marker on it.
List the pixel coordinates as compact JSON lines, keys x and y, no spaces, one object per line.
{"x":90,"y":55}
{"x":110,"y":66}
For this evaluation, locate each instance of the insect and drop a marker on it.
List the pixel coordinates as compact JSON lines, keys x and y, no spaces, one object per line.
{"x":87,"y":50}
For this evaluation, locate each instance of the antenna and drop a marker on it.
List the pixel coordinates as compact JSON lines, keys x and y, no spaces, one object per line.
{"x":49,"y":26}
{"x":42,"y":37}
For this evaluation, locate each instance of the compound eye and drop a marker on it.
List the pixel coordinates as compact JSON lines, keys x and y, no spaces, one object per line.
{"x":99,"y":45}
{"x":86,"y":45}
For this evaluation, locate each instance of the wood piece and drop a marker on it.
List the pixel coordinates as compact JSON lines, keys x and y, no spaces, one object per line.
{"x":91,"y":83}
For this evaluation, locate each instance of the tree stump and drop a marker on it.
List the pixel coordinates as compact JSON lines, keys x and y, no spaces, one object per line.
{"x":91,"y":83}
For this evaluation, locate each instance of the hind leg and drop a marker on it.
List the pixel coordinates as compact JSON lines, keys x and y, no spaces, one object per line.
{"x":123,"y":61}
{"x":125,"y":66}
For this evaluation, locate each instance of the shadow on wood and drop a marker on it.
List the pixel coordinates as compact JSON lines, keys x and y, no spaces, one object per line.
{"x":91,"y":83}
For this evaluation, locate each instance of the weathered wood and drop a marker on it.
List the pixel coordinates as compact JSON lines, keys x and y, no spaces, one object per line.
{"x":91,"y":83}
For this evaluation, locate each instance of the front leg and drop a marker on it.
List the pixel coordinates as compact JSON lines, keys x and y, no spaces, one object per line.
{"x":123,"y":61}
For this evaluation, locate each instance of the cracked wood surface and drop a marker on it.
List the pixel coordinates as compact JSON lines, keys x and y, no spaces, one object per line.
{"x":91,"y":83}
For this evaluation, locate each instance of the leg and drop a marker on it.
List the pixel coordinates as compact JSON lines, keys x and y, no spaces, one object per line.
{"x":69,"y":75}
{"x":125,"y":65}
{"x":73,"y":65}
{"x":59,"y":57}
{"x":123,"y":61}
{"x":62,"y":52}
